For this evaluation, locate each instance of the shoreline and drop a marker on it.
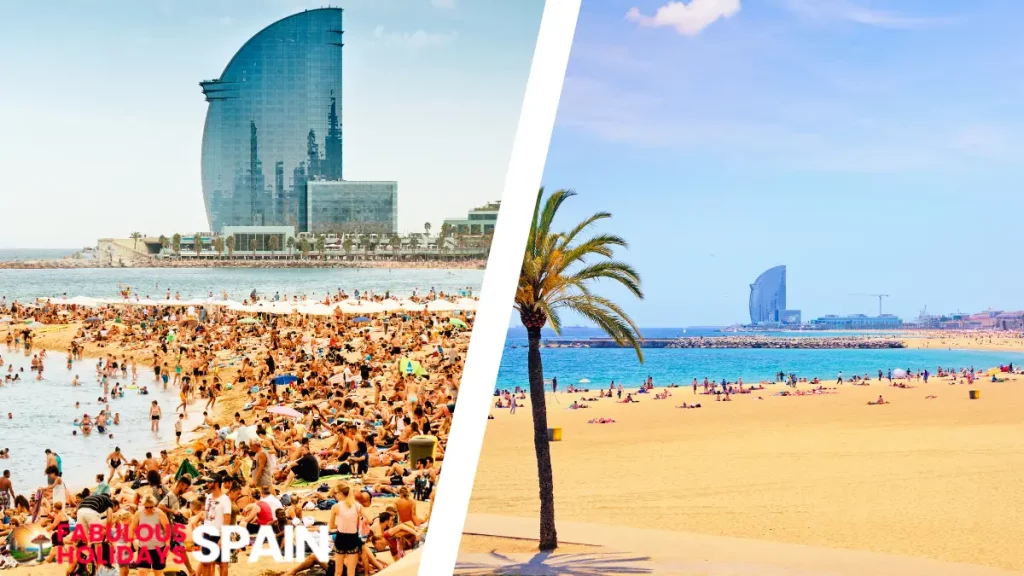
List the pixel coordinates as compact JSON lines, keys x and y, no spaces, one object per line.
{"x":72,"y":264}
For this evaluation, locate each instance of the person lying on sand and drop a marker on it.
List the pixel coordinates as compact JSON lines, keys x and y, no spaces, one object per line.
{"x":878,"y":402}
{"x":629,"y":400}
{"x":577,"y":406}
{"x":688,"y":406}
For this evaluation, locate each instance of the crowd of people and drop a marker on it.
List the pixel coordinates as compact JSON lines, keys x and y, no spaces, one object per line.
{"x":307,"y":420}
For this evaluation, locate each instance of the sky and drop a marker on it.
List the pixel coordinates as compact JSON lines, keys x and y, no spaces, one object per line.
{"x":101,"y":114}
{"x":869,"y":146}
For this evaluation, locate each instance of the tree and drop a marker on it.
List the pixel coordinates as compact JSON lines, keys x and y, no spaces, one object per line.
{"x":218,"y":245}
{"x":346,"y":244}
{"x":396,"y":243}
{"x":321,"y":245}
{"x":252,"y":246}
{"x":176,"y":243}
{"x":304,"y":246}
{"x":414,"y":242}
{"x":291,"y":244}
{"x":165,"y":242}
{"x":488,"y":238}
{"x":230,"y":243}
{"x":426,"y":228}
{"x":136,"y":236}
{"x":556,"y":275}
{"x":198,"y":243}
{"x":275,"y":243}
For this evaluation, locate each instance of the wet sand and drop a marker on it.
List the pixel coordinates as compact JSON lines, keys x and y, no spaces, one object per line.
{"x":934,"y":478}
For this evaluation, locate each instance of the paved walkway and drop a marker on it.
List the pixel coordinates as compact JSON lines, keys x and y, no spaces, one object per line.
{"x":635,"y":551}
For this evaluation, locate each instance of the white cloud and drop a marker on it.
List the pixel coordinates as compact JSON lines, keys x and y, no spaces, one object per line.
{"x":688,"y":19}
{"x":444,"y":4}
{"x":848,"y":11}
{"x":416,"y":40}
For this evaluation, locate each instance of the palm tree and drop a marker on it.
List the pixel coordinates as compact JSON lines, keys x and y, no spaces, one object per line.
{"x":218,"y":245}
{"x":136,"y":236}
{"x":176,"y":243}
{"x":304,"y":246}
{"x":230,"y":243}
{"x":252,"y":246}
{"x":291,"y":245}
{"x":396,"y":243}
{"x":346,"y":245}
{"x":321,"y":244}
{"x":556,"y":276}
{"x":275,"y":243}
{"x":198,"y":243}
{"x":414,"y":242}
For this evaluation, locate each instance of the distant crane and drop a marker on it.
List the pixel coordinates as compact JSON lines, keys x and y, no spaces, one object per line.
{"x":879,"y":296}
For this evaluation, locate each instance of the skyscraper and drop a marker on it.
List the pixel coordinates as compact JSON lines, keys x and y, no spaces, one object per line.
{"x":768,"y":296}
{"x":279,"y":93}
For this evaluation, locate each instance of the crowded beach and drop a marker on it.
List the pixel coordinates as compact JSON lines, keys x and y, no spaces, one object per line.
{"x":297,"y":411}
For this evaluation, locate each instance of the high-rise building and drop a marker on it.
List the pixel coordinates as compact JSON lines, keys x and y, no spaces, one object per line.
{"x":278,"y":95}
{"x":768,"y":296}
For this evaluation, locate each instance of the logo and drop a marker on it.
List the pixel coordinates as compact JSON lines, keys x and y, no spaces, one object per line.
{"x":216,"y":545}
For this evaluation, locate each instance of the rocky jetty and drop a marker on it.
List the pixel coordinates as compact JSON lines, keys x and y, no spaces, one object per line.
{"x":809,"y":343}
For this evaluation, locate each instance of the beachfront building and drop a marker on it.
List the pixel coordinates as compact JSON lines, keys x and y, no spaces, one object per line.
{"x":273,"y":123}
{"x":768,"y":296}
{"x":350,"y":207}
{"x":857,"y":322}
{"x":478,"y":222}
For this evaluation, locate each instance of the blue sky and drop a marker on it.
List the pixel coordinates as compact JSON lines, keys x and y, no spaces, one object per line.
{"x":870,"y":146}
{"x":101,"y":115}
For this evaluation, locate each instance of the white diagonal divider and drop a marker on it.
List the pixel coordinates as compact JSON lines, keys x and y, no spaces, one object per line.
{"x":525,"y":168}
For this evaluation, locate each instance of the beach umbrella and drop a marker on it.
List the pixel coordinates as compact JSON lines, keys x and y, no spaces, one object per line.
{"x":410,"y":306}
{"x":899,"y":373}
{"x":468,"y":304}
{"x":316,"y":309}
{"x":409,"y":366}
{"x":360,"y":319}
{"x":458,"y":322}
{"x":249,"y":321}
{"x":81,"y":301}
{"x":285,"y":411}
{"x":390,"y":305}
{"x":994,"y":371}
{"x":283,"y":379}
{"x":372,"y":308}
{"x":441,"y":306}
{"x":245,"y":434}
{"x":186,"y":468}
{"x":337,"y":379}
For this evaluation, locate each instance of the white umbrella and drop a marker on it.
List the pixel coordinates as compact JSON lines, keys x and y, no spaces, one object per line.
{"x":468,"y":304}
{"x":441,"y":306}
{"x":390,"y":305}
{"x":899,"y":373}
{"x":81,"y":301}
{"x":410,"y":306}
{"x":371,"y":308}
{"x":315,"y":309}
{"x":245,"y":433}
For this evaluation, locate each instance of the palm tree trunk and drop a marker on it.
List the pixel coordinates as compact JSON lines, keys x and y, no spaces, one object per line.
{"x":541,"y":444}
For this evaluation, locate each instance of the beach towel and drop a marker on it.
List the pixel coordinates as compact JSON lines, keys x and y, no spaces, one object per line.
{"x":601,"y":421}
{"x":300,"y":483}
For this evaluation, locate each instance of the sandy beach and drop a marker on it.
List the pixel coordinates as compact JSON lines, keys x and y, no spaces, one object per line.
{"x":934,"y":478}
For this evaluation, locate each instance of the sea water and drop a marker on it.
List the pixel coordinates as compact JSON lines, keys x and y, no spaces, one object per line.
{"x":681,"y":365}
{"x":44,"y":412}
{"x":237,"y":282}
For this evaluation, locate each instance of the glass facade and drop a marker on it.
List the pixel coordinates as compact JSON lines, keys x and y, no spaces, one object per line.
{"x":768,"y":296}
{"x":351,"y":207}
{"x":274,"y":122}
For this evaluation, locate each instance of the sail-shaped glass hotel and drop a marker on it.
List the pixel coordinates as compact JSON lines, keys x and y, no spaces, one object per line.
{"x":274,"y":123}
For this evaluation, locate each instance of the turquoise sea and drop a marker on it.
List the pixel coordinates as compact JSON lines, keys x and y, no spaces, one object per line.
{"x":238,"y":282}
{"x":680,"y":366}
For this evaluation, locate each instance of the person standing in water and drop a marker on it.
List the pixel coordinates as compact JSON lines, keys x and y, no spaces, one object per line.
{"x":154,"y":417}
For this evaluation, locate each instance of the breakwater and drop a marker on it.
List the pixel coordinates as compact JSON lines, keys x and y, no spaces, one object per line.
{"x":767,"y":342}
